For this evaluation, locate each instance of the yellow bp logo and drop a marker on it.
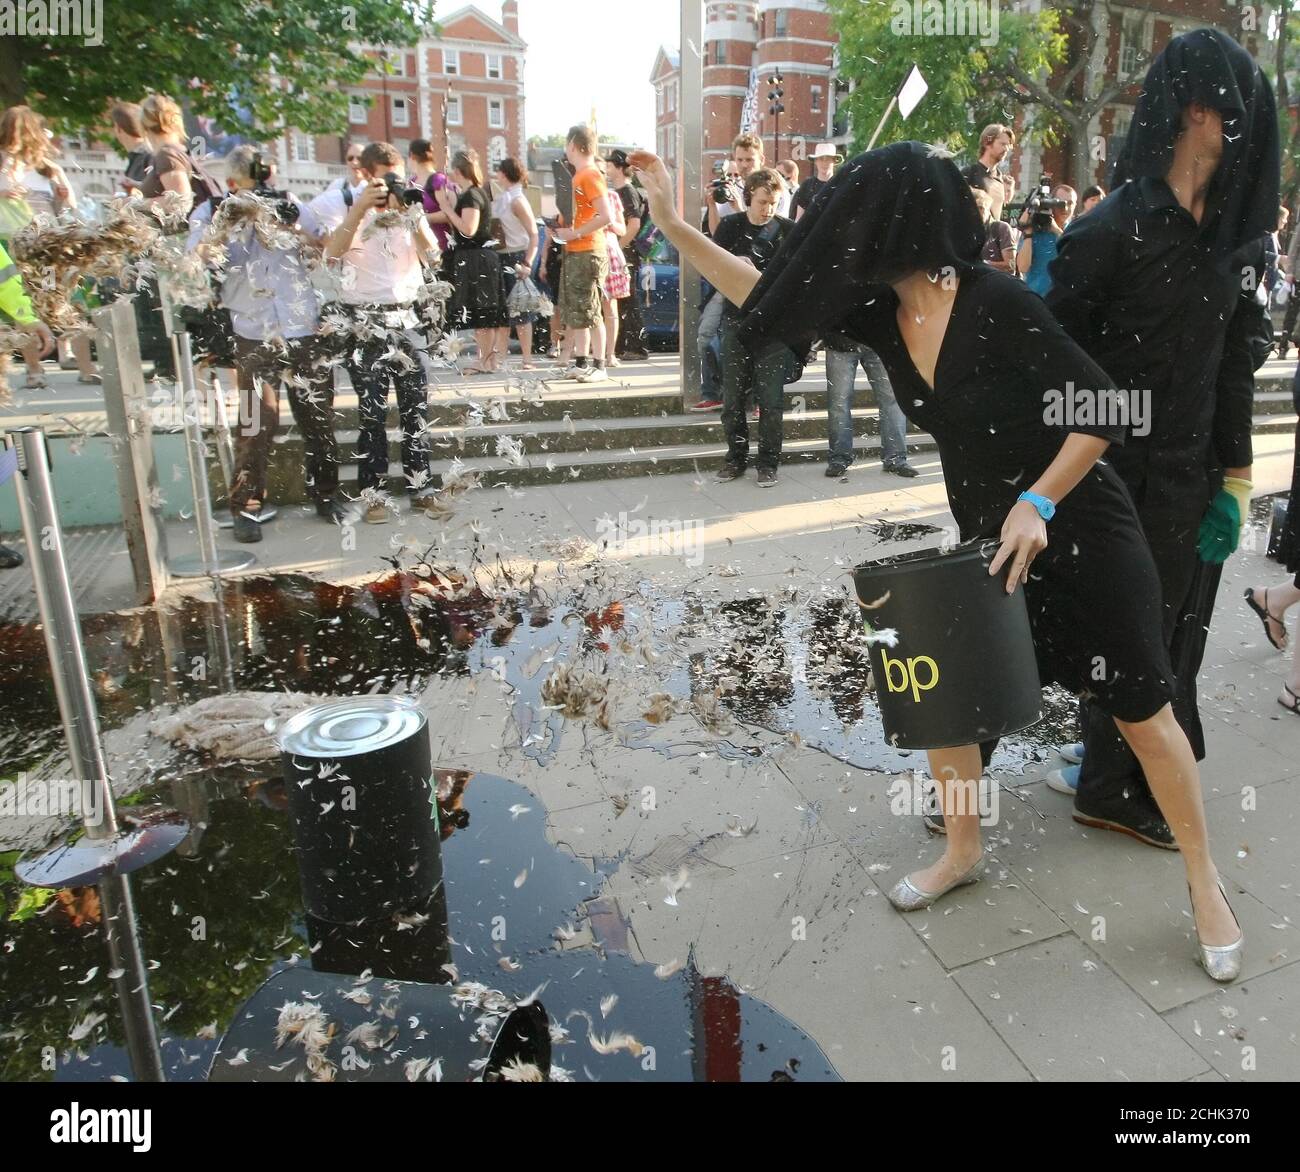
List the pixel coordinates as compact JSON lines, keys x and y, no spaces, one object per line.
{"x":915,"y":674}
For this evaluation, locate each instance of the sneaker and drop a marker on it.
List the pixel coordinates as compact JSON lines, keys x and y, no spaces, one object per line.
{"x":834,"y":470}
{"x":332,"y":510}
{"x":35,"y":382}
{"x":377,"y":515}
{"x":1127,"y":809}
{"x":1065,"y":780}
{"x":635,"y":355}
{"x":9,"y":558}
{"x":248,"y":528}
{"x":730,"y":471}
{"x":572,"y":371}
{"x":904,"y":470}
{"x":708,"y":405}
{"x":766,"y":477}
{"x":1072,"y":753}
{"x":592,"y":374}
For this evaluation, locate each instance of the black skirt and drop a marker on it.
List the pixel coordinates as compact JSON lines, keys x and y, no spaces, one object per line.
{"x":479,"y":300}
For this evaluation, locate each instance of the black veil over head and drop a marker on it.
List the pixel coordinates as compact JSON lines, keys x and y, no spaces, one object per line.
{"x":882,"y":215}
{"x":1209,"y":67}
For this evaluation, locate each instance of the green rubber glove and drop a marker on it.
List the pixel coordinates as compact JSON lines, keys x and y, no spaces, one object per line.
{"x":1221,"y":526}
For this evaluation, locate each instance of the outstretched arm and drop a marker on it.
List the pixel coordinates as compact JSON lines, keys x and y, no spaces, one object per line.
{"x":732,"y":276}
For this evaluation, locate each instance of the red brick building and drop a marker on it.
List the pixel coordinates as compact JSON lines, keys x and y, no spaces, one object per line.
{"x":745,"y":43}
{"x":464,"y":88}
{"x":666,"y":77}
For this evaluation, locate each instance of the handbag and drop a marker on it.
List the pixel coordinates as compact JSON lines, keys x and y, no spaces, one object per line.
{"x":526,"y":298}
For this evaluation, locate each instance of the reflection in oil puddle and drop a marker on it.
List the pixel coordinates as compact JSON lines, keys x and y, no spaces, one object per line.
{"x":218,"y":923}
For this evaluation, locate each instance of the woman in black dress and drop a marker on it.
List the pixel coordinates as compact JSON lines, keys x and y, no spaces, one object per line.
{"x":478,"y":300}
{"x":890,"y":256}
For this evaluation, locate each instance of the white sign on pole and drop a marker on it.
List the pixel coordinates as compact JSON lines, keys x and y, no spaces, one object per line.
{"x":912,"y":91}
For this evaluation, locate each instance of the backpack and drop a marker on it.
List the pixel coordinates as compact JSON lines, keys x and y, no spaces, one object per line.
{"x":207,"y":189}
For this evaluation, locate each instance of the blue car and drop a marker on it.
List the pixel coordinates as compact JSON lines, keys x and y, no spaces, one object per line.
{"x":657,"y":294}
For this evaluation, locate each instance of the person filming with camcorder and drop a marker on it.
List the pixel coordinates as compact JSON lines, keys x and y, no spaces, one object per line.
{"x":1043,"y":217}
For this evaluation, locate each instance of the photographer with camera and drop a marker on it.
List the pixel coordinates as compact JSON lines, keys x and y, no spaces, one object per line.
{"x":266,"y":289}
{"x":379,"y":245}
{"x":1045,"y":216}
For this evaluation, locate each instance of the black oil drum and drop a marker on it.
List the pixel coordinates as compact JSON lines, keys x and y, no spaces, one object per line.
{"x":959,"y":667}
{"x":359,"y":782}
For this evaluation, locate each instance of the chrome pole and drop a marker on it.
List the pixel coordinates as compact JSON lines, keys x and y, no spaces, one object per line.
{"x":211,"y":562}
{"x":62,"y":629}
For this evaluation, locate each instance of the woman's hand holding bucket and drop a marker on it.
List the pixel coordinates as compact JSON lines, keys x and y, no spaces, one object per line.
{"x":1024,"y":537}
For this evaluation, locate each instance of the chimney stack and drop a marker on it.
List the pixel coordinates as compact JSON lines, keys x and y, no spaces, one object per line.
{"x":510,"y":15}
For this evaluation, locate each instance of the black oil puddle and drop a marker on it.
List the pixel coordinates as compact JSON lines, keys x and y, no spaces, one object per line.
{"x":225,"y":911}
{"x":220,"y":918}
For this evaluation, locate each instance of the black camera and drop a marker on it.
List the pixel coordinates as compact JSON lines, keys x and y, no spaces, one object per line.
{"x":720,"y":187}
{"x":409,"y":196}
{"x":285,"y":208}
{"x":1042,"y":204}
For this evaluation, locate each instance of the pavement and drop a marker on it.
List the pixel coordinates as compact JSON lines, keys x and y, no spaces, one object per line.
{"x":1073,"y":959}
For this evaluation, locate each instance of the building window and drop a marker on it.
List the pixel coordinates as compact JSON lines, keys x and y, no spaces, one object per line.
{"x":659,"y":100}
{"x":672,"y":97}
{"x":496,"y":113}
{"x":496,"y":153}
{"x":453,"y":111}
{"x":1132,"y":43}
{"x":358,"y":110}
{"x":779,"y":19}
{"x":393,"y":62}
{"x":816,"y":99}
{"x":451,"y":61}
{"x":494,"y":66}
{"x":401,"y":112}
{"x":719,"y":52}
{"x":302,"y":151}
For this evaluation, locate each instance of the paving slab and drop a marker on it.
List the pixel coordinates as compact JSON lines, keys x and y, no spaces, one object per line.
{"x":1067,"y":1017}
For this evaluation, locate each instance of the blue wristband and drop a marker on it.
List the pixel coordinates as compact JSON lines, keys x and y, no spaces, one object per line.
{"x":1046,"y":509}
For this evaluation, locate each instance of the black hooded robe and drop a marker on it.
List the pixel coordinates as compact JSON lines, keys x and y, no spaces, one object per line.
{"x":1093,"y":595}
{"x":1167,"y":306}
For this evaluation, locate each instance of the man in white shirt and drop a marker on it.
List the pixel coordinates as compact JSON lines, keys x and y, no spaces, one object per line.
{"x":379,"y":244}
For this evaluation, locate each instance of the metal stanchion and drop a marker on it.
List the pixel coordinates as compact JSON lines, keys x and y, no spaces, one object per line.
{"x":210,"y":562}
{"x":105,"y":847}
{"x":226,"y":454}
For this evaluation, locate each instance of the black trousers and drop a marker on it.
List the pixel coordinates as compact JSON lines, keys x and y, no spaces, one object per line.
{"x":762,"y":375}
{"x":631,"y":327}
{"x":374,"y":362}
{"x":1170,"y":515}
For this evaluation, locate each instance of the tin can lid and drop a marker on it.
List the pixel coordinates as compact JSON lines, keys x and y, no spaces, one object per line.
{"x":350,"y":725}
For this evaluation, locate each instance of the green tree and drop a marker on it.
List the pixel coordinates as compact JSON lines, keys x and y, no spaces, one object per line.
{"x":282,"y":62}
{"x":970,"y":82}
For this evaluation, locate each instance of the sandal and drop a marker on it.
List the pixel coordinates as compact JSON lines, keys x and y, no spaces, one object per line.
{"x":1294,"y":706}
{"x":1266,"y":616}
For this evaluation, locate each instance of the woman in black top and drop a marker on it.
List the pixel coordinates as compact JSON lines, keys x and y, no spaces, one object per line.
{"x":479,"y":300}
{"x":890,"y":256}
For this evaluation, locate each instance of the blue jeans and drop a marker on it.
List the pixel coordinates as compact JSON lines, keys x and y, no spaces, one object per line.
{"x":710,"y":351}
{"x":841,"y":369}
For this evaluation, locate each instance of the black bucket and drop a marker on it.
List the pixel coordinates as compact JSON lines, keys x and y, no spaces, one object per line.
{"x":401,"y":1021}
{"x":961,"y":669}
{"x":359,"y":782}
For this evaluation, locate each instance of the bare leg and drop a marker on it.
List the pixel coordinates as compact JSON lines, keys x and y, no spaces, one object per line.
{"x":524,"y":332}
{"x":81,"y":352}
{"x":581,"y":342}
{"x":956,"y":773}
{"x":610,"y":309}
{"x":598,"y":341}
{"x":1170,"y":769}
{"x":32,"y":356}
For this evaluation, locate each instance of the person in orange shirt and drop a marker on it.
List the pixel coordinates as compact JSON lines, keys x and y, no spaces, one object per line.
{"x":586,"y":262}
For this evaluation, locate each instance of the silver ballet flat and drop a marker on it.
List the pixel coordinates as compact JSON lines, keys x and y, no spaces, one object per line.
{"x":907,"y":897}
{"x":1222,"y":962}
